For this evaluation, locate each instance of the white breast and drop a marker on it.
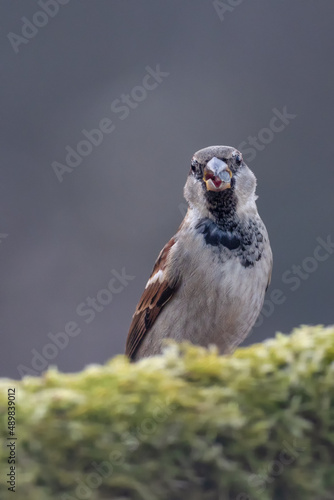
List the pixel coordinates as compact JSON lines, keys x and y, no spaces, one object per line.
{"x":217,"y":302}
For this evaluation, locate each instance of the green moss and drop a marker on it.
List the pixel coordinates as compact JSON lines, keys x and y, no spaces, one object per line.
{"x":188,"y":424}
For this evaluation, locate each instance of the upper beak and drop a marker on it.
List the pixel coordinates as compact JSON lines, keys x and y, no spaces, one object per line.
{"x":217,"y":175}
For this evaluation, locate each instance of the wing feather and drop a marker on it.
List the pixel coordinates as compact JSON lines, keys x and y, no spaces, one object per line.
{"x":159,"y":290}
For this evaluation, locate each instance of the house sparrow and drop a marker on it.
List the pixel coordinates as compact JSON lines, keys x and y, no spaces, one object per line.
{"x":209,"y":281}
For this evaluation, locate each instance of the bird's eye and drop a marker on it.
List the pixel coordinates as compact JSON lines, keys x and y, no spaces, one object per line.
{"x":194,"y":166}
{"x":238,"y":159}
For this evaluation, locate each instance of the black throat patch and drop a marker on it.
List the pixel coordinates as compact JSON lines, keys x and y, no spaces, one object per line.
{"x":246,"y":241}
{"x":222,"y":205}
{"x":215,"y":236}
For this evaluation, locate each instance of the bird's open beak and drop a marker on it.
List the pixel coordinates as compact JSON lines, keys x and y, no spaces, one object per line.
{"x":217,"y":175}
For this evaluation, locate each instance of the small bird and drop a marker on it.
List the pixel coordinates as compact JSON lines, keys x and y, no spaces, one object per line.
{"x":208,"y":283}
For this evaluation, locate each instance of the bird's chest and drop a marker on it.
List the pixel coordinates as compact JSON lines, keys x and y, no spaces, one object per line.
{"x":222,"y":287}
{"x":215,"y":278}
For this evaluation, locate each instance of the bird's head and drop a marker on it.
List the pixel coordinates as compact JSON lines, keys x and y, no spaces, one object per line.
{"x":220,"y":183}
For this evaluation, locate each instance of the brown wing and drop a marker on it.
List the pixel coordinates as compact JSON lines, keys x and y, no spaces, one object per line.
{"x":159,"y":290}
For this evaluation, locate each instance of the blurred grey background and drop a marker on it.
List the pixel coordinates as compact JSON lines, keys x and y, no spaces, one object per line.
{"x":228,"y":67}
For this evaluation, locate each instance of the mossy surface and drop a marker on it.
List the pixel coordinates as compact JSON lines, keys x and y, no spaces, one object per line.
{"x":186,"y":425}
